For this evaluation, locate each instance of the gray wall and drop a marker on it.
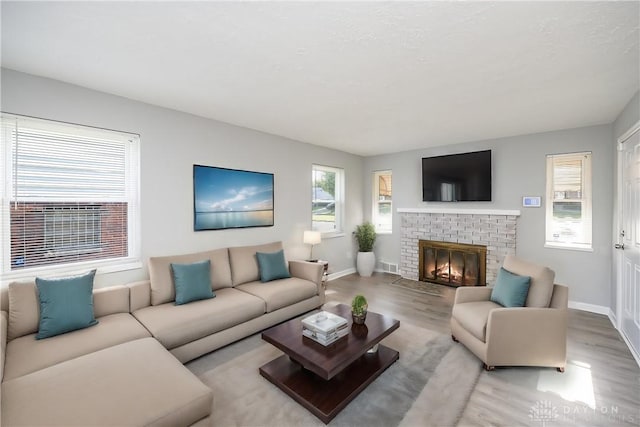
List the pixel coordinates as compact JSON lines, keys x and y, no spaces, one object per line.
{"x":171,"y":142}
{"x":627,"y":118}
{"x":519,"y":170}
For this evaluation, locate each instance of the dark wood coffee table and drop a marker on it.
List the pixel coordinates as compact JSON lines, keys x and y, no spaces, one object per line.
{"x":325,"y":379}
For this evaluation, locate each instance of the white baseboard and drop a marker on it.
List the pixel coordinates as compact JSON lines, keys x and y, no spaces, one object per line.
{"x":342,"y":273}
{"x":379,"y":270}
{"x":613,"y":318}
{"x":599,"y":309}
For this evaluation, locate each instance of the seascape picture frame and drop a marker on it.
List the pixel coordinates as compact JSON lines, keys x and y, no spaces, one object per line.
{"x":231,"y":198}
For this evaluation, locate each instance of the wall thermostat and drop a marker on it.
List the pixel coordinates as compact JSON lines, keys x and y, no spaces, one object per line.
{"x":531,"y":201}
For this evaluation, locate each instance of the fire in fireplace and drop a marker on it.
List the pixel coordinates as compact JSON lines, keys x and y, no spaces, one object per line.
{"x":453,"y":264}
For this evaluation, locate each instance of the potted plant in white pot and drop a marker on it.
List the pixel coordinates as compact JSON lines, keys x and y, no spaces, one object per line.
{"x":365,"y":236}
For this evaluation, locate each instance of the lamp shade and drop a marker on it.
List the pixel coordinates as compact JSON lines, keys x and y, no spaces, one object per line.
{"x":312,"y":237}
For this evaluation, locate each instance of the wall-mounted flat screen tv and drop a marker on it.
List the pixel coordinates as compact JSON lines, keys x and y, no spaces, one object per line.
{"x":462,"y":177}
{"x":230,"y":198}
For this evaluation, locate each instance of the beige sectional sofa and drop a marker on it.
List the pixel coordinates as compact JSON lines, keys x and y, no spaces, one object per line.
{"x":119,"y":371}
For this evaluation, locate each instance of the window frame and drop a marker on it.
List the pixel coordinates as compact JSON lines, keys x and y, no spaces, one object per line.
{"x":376,"y":202}
{"x":339,"y":199}
{"x":586,"y":202}
{"x":132,"y":260}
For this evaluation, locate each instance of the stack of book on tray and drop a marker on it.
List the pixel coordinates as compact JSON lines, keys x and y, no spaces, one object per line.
{"x":324,"y":327}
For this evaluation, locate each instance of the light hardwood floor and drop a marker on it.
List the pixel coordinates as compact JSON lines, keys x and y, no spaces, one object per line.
{"x":601,"y":385}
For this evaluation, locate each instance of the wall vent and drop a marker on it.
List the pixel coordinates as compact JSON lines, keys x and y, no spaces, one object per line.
{"x":387,"y":267}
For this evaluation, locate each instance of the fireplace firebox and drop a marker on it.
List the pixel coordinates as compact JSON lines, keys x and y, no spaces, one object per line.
{"x":453,"y":264}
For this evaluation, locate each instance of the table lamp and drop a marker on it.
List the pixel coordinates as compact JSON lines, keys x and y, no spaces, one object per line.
{"x":312,"y":238}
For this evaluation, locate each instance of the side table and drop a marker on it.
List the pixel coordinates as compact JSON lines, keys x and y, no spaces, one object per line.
{"x":325,"y":274}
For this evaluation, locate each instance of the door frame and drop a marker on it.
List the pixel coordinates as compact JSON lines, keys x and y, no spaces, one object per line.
{"x":616,"y":234}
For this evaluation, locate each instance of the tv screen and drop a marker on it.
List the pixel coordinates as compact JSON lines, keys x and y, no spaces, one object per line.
{"x":457,"y":177}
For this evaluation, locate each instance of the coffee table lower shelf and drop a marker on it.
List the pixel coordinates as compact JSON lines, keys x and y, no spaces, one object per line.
{"x":325,"y":399}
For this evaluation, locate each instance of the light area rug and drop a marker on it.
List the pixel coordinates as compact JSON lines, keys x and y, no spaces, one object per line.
{"x":429,"y":385}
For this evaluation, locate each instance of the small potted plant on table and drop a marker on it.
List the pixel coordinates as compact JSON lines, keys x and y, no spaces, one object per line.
{"x":359,"y":309}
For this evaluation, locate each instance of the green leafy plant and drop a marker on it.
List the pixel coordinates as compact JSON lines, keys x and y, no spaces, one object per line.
{"x":359,"y":305}
{"x":366,"y":236}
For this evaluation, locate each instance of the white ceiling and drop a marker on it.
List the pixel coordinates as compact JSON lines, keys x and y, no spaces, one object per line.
{"x":366,"y":78}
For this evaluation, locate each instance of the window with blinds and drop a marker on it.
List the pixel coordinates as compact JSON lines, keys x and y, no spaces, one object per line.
{"x":69,"y":195}
{"x":568,"y":207}
{"x":382,"y":207}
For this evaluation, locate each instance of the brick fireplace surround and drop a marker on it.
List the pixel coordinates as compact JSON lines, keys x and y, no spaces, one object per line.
{"x":493,"y":228}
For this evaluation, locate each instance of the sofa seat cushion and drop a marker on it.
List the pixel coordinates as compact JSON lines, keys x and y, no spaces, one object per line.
{"x":175,"y":325}
{"x":473,"y":316}
{"x":137,"y":383}
{"x":26,"y":354}
{"x":281,"y":293}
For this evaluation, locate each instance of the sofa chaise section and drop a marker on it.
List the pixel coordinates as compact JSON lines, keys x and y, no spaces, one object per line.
{"x":137,"y":383}
{"x":25,"y":354}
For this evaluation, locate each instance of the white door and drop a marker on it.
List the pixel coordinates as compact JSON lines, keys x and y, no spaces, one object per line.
{"x":629,"y":241}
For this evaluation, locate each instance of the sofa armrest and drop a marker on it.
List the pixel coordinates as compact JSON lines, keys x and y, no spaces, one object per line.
{"x":311,"y":271}
{"x":560,"y":297}
{"x":4,"y":323}
{"x":538,"y":335}
{"x":472,"y":294}
{"x":139,"y":295}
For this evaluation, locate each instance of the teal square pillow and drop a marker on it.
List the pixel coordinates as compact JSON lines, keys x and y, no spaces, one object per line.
{"x":66,"y":304}
{"x":272,"y":266}
{"x":511,"y":289}
{"x":192,"y":281}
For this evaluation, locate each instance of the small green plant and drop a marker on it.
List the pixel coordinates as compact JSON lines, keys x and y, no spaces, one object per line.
{"x":359,"y":305}
{"x":366,"y":236}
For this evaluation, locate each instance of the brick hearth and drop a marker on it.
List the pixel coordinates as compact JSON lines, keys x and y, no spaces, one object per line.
{"x":492,"y":228}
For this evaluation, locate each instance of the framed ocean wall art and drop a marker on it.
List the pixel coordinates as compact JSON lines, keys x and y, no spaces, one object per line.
{"x":231,"y":198}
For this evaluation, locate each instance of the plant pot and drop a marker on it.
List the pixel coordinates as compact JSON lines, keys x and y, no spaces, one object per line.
{"x":359,"y":330}
{"x":365,"y":263}
{"x":359,"y":319}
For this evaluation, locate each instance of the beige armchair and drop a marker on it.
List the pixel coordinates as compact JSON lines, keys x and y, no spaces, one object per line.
{"x":533,"y":335}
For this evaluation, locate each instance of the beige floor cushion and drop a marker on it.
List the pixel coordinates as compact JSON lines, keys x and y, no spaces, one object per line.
{"x":175,"y":325}
{"x":281,"y":293}
{"x":26,"y":354}
{"x":137,"y":383}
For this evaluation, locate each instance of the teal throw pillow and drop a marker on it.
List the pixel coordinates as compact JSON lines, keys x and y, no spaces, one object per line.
{"x":272,"y":266}
{"x":66,"y":304}
{"x":192,"y":281}
{"x":511,"y":290}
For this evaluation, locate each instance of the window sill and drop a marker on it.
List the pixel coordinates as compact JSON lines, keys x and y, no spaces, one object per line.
{"x":568,"y":247}
{"x":384,"y":232}
{"x":332,"y":234}
{"x":105,"y":267}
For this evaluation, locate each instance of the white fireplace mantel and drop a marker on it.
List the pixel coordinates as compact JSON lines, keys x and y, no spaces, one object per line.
{"x":463,"y":211}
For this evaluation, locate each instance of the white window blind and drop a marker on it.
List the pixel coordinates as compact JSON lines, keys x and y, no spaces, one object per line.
{"x":69,"y":194}
{"x":568,"y":208}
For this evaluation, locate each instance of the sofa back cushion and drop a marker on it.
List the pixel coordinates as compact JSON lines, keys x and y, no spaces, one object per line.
{"x":24,"y":309}
{"x":24,"y":306}
{"x":244,"y":263}
{"x":161,"y":276}
{"x":541,"y":286}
